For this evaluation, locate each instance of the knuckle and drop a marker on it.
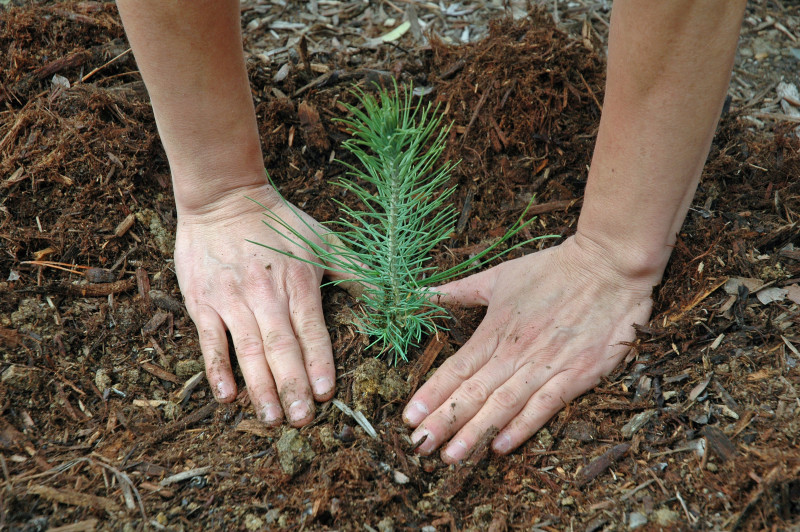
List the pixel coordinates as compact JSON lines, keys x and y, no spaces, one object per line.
{"x":506,"y":397}
{"x":248,"y":347}
{"x":280,"y":342}
{"x":475,"y":391}
{"x":301,"y":278}
{"x":461,"y":367}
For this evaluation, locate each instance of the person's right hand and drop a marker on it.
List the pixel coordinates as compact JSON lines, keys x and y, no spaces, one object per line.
{"x":270,"y":303}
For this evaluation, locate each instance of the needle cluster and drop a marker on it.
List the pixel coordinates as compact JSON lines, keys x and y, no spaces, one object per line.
{"x":385,"y":244}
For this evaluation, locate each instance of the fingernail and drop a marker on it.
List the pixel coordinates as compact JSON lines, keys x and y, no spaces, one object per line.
{"x":322,"y":386}
{"x":415,"y":413}
{"x":270,"y":413}
{"x":428,"y":445}
{"x":502,"y":444}
{"x":224,"y":390}
{"x":299,"y":410}
{"x":456,"y":451}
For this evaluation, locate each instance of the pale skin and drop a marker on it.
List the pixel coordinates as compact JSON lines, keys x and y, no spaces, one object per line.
{"x":556,"y":321}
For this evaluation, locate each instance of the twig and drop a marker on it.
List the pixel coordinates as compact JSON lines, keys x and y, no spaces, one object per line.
{"x":689,"y":516}
{"x":101,"y":67}
{"x":482,"y":101}
{"x":591,"y":92}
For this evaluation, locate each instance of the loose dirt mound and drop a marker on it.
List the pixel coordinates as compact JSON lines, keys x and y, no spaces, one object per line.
{"x":699,"y":428}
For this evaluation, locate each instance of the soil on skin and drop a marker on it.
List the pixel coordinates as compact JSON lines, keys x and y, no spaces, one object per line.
{"x":698,"y":429}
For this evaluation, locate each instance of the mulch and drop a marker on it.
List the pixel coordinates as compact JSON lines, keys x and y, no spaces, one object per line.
{"x":99,"y":408}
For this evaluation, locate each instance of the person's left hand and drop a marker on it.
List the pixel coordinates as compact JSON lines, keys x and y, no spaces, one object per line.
{"x":557,"y":321}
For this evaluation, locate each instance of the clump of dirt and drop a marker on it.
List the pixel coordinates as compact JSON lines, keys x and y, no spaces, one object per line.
{"x":99,"y":394}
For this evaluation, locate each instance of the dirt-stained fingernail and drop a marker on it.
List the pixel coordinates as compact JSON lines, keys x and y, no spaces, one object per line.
{"x":427,"y":446}
{"x":299,"y":410}
{"x":224,"y":390}
{"x":456,"y":451}
{"x":322,"y":386}
{"x":415,"y":413}
{"x":271,"y":413}
{"x":502,"y":444}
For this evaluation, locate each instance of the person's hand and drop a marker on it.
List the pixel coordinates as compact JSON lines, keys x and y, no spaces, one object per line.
{"x":556,"y":322}
{"x":270,"y":303}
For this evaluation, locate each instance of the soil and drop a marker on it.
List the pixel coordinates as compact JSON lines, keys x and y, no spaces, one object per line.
{"x":106,"y":421}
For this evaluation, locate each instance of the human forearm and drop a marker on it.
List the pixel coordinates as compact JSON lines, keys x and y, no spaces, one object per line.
{"x":668,"y":69}
{"x":190,"y":56}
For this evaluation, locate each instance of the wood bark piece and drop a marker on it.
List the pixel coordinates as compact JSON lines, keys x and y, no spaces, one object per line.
{"x":600,"y":464}
{"x":455,"y":481}
{"x":176,"y":426}
{"x":719,"y":443}
{"x":83,"y":290}
{"x":432,"y":350}
{"x":75,"y":498}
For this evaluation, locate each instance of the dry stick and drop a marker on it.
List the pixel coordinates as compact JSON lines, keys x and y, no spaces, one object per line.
{"x":86,"y":290}
{"x":176,"y":426}
{"x":591,"y":92}
{"x":482,"y":101}
{"x":101,"y":67}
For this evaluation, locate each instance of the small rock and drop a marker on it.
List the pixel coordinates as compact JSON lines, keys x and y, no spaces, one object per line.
{"x":428,"y":528}
{"x":568,"y":501}
{"x":251,"y":522}
{"x":637,"y":422}
{"x":102,"y":380}
{"x":400,"y":477}
{"x":186,"y":368}
{"x":636,"y":520}
{"x":711,"y":466}
{"x":666,"y":517}
{"x":386,"y":525}
{"x":161,"y":518}
{"x":294,"y":451}
{"x":18,"y":377}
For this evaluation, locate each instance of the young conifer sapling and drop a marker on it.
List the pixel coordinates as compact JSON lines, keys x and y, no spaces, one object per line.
{"x":386,"y":243}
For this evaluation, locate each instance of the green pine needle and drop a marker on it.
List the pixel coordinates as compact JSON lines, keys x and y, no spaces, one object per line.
{"x":385,"y":245}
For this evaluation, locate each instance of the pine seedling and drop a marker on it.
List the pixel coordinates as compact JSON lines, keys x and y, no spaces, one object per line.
{"x":385,"y":244}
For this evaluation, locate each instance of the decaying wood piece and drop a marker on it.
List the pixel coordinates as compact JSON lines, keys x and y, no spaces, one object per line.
{"x":600,"y":464}
{"x":83,"y":290}
{"x":75,"y":498}
{"x":176,"y":426}
{"x":455,"y":481}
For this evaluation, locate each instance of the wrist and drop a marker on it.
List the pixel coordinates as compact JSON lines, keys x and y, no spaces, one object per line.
{"x":635,"y":262}
{"x":203,"y":176}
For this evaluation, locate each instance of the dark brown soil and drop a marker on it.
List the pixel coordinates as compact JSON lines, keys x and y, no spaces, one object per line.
{"x":92,"y":362}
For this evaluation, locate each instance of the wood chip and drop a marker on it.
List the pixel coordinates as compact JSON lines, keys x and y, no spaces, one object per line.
{"x":185,"y":475}
{"x":124,"y":225}
{"x":254,"y":427}
{"x":700,"y":388}
{"x":189,"y":386}
{"x":74,"y":498}
{"x":159,"y":372}
{"x":600,"y":464}
{"x":89,"y":525}
{"x":719,"y":443}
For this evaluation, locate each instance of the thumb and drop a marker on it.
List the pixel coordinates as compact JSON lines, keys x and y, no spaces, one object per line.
{"x":470,"y":291}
